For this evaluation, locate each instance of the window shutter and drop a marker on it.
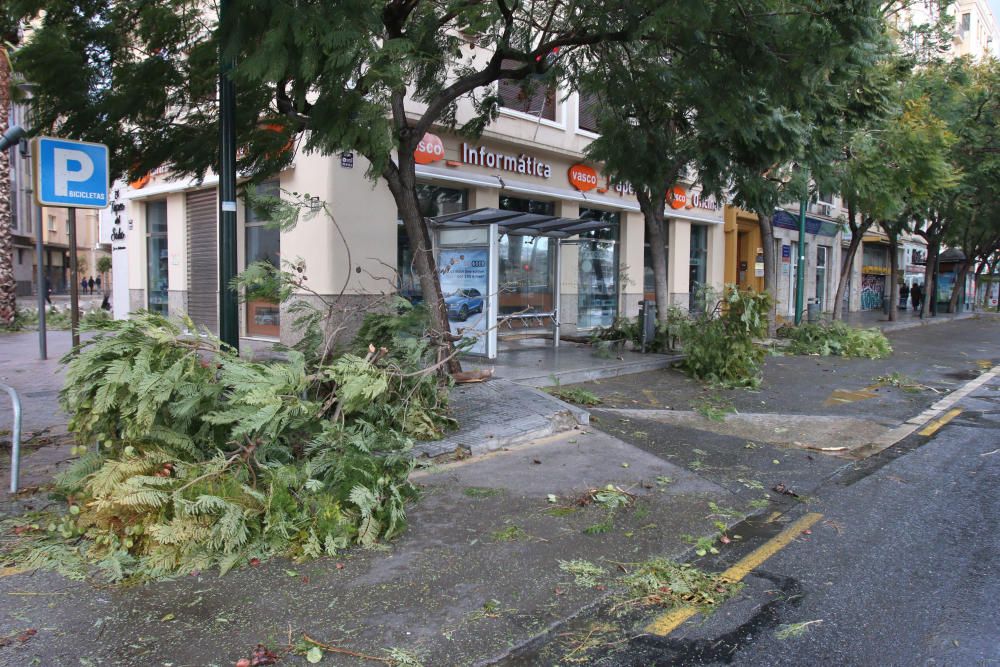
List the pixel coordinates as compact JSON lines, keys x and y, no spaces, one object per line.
{"x":587,"y":112}
{"x":527,"y":96}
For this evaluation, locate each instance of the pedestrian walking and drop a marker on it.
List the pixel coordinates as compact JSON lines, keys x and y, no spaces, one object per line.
{"x":904,"y":296}
{"x":90,"y":283}
{"x":48,"y":290}
{"x":98,"y":281}
{"x":916,"y":296}
{"x":83,"y":285}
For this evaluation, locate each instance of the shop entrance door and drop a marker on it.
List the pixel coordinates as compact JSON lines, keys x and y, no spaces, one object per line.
{"x":821,"y":257}
{"x":792,"y":278}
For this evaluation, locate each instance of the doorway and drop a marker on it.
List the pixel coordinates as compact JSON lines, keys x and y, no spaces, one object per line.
{"x":792,"y":277}
{"x":822,"y":255}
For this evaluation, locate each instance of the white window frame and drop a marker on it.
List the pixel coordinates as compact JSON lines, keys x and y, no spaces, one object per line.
{"x":558,"y":124}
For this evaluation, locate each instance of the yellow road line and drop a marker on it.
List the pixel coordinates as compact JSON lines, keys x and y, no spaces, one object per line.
{"x":669,"y":621}
{"x":933,"y":427}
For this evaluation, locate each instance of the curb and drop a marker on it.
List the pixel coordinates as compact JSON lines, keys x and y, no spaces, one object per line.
{"x":554,"y":416}
{"x":912,"y":425}
{"x":888,"y":327}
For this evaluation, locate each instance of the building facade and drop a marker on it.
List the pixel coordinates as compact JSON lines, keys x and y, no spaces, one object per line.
{"x":744,"y":262}
{"x":355,"y":250}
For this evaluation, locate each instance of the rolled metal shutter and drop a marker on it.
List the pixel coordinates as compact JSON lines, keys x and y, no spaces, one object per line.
{"x":203,"y":258}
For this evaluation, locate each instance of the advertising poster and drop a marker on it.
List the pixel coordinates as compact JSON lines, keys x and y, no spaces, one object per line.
{"x":945,"y":286}
{"x":465,"y":283}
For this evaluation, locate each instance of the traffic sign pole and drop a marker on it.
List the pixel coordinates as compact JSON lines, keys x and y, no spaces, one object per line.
{"x":74,"y":286}
{"x":43,"y":288}
{"x":73,"y":174}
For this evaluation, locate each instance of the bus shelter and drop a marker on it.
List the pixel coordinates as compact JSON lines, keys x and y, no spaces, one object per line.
{"x":493,"y":295}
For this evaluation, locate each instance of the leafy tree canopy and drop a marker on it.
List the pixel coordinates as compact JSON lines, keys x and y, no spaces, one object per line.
{"x":142,"y":77}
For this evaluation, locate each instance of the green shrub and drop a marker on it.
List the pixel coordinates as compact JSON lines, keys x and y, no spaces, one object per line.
{"x":629,"y":330}
{"x":56,"y":319}
{"x":719,"y":344}
{"x":837,"y":339}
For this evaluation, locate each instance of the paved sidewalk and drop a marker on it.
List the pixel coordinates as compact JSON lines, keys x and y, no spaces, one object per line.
{"x":906,"y":319}
{"x":476,"y":573}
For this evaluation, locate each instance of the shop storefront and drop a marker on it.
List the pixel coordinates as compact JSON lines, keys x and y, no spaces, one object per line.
{"x":874,"y":273}
{"x":355,"y":249}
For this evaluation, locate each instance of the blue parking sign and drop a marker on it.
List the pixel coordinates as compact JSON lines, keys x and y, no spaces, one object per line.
{"x":71,"y":173}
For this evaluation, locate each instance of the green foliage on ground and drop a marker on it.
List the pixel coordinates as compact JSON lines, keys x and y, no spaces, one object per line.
{"x":836,"y":339}
{"x":719,"y":343}
{"x":575,"y":395}
{"x":56,"y":319}
{"x":197,"y":458}
{"x":665,"y":582}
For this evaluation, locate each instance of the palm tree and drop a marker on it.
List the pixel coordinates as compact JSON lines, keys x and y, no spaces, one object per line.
{"x":8,"y":293}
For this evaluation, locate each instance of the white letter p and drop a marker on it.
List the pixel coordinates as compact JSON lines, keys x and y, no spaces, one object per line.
{"x":63,"y":174}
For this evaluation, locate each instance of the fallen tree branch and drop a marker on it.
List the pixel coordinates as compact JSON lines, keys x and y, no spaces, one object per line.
{"x":344,"y":651}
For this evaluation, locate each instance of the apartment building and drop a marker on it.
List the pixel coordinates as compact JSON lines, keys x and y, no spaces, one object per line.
{"x":744,"y":260}
{"x":977,"y":33}
{"x":530,"y":160}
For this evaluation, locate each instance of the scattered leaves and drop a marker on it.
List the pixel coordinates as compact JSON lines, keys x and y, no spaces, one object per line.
{"x":789,"y":630}
{"x":584,"y":572}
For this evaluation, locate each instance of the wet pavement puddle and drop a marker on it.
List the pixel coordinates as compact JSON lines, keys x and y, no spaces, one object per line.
{"x":838,"y":396}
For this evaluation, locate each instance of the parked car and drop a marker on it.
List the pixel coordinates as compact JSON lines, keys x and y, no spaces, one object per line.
{"x":463,"y":303}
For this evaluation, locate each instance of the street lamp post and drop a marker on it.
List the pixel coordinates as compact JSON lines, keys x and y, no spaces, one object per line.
{"x":800,"y":265}
{"x":228,"y":308}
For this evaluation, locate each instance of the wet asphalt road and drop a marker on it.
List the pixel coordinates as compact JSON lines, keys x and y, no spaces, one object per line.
{"x":901,"y":570}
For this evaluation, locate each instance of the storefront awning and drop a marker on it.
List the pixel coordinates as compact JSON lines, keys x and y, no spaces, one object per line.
{"x":520,"y":224}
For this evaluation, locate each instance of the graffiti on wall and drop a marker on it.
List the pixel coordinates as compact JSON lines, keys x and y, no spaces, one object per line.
{"x":872,"y":291}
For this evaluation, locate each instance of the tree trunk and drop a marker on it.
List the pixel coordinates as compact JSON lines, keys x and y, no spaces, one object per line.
{"x":930,"y":275}
{"x":402,"y":184}
{"x":770,"y":279}
{"x":8,"y":286}
{"x":977,"y":276}
{"x":847,"y":264}
{"x":653,"y":213}
{"x":959,"y":287}
{"x":893,"y":268}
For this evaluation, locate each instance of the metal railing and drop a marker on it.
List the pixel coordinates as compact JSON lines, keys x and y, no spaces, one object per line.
{"x":15,"y":438}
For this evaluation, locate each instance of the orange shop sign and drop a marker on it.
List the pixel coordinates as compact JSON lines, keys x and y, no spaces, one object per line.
{"x":677,"y":197}
{"x":582,"y":177}
{"x":430,"y":149}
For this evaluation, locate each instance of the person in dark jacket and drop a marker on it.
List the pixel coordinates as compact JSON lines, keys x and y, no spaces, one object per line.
{"x":904,"y":296}
{"x":90,"y":284}
{"x":916,"y":296}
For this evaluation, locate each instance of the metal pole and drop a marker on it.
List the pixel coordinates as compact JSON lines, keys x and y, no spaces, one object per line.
{"x":15,"y":438}
{"x":228,"y":307}
{"x":800,"y":266}
{"x":42,"y":289}
{"x":558,"y":295}
{"x":74,"y":287}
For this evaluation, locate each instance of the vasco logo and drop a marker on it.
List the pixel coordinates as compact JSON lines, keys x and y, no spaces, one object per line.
{"x":430,"y":149}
